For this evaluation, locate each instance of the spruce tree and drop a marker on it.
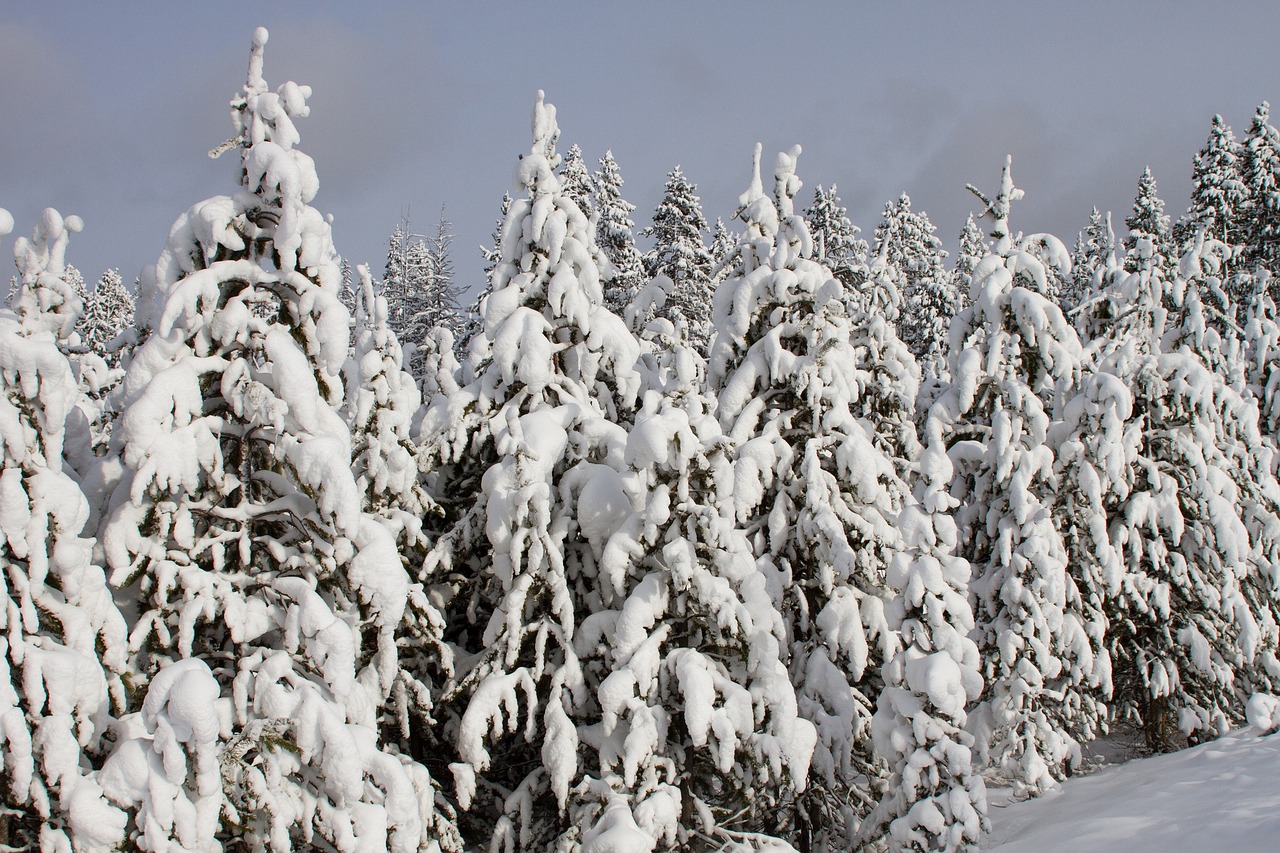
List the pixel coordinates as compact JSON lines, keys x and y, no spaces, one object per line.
{"x":1095,"y":247}
{"x":1191,"y":514}
{"x":906,"y":240}
{"x":1219,"y":197}
{"x":238,"y":526}
{"x":576,"y":183}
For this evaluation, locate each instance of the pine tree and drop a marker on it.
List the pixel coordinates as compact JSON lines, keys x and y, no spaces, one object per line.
{"x":820,"y":478}
{"x":723,"y":245}
{"x":63,"y":659}
{"x":1262,"y":182}
{"x":547,"y":378}
{"x":681,"y":257}
{"x":836,"y":243}
{"x":615,"y":236}
{"x":1012,"y":352}
{"x":1149,"y":222}
{"x":238,"y":524}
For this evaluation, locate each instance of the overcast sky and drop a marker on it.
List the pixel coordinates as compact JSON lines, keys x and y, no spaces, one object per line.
{"x":109,"y":108}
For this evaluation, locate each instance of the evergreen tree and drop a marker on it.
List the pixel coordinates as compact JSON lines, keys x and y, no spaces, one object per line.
{"x":680,"y":255}
{"x":576,"y":183}
{"x":1012,"y":352}
{"x":1094,"y":248}
{"x":820,"y":478}
{"x":973,"y":248}
{"x":1149,"y":222}
{"x":238,"y":524}
{"x":724,"y":244}
{"x":1190,"y":514}
{"x":108,"y":312}
{"x":935,"y":798}
{"x":546,"y":379}
{"x":63,"y":658}
{"x":836,"y":243}
{"x":906,"y":240}
{"x":1262,"y":182}
{"x":615,"y":236}
{"x":1219,"y":197}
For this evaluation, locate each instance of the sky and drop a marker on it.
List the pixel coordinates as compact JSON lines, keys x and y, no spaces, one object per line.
{"x":109,"y":109}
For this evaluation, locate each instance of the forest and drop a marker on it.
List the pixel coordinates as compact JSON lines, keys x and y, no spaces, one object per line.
{"x":768,"y":537}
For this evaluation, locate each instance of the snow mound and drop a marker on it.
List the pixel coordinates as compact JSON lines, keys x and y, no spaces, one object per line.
{"x":1217,"y":796}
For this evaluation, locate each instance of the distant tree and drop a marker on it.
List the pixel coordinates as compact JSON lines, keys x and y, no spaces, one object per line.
{"x":907,"y":241}
{"x":1149,"y":222}
{"x":1219,"y":197}
{"x":1262,"y":181}
{"x":680,"y":255}
{"x":723,"y":245}
{"x":1095,"y":248}
{"x":615,"y":236}
{"x":576,"y":181}
{"x":836,"y":243}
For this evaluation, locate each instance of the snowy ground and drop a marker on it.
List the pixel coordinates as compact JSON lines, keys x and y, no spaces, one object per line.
{"x":1223,"y":795}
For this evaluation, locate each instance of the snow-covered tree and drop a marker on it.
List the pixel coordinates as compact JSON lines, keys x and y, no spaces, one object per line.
{"x":1262,"y":182}
{"x":723,"y":244}
{"x":419,"y":286}
{"x":238,"y":526}
{"x":64,"y":650}
{"x":1095,"y":248}
{"x":821,"y":402}
{"x":576,"y":182}
{"x":907,"y":241}
{"x":934,"y":798}
{"x":680,"y":255}
{"x":973,"y":248}
{"x":547,"y":379}
{"x":1190,"y":510}
{"x":1012,"y":352}
{"x":836,"y":244}
{"x":108,"y":311}
{"x":615,"y":234}
{"x":1219,"y":197}
{"x":1149,"y":222}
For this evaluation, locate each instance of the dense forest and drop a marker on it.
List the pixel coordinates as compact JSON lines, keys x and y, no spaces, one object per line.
{"x":767,"y":537}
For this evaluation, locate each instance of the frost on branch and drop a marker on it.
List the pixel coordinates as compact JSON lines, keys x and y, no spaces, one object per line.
{"x":239,"y":524}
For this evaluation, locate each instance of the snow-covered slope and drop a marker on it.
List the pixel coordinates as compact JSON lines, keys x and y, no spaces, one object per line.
{"x":1218,"y":796}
